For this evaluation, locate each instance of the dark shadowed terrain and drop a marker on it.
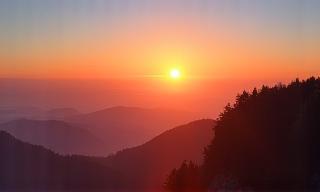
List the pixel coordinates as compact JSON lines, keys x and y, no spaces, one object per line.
{"x":141,"y":168}
{"x":147,"y":166}
{"x":28,"y":167}
{"x":267,"y":141}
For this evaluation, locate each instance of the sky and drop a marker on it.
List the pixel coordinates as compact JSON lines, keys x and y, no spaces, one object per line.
{"x":220,"y":48}
{"x":145,"y":38}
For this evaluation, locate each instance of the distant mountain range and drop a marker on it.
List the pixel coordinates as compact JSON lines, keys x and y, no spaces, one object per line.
{"x":14,"y":113}
{"x":58,"y":136}
{"x":61,"y":113}
{"x":67,"y":131}
{"x":123,"y":127}
{"x":25,"y":166}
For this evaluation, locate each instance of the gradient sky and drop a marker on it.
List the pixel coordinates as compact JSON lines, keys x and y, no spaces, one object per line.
{"x":145,"y":38}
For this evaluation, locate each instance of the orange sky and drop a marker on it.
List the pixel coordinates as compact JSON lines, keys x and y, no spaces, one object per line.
{"x":221,"y":40}
{"x":152,"y":50}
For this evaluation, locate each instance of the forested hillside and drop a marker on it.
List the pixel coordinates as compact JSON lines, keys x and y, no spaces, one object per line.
{"x":268,"y":140}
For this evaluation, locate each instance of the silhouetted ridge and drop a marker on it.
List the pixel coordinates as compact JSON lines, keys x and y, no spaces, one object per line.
{"x":60,"y":113}
{"x":59,"y":136}
{"x":268,"y":140}
{"x":121,"y":127}
{"x":146,"y":166}
{"x":24,"y":166}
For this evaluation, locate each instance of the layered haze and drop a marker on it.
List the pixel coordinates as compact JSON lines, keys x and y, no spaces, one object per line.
{"x":205,"y":98}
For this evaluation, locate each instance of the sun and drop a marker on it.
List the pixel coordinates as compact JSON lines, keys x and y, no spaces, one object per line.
{"x":175,"y":73}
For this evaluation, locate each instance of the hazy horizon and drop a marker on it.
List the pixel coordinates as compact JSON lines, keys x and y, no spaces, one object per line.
{"x":207,"y":97}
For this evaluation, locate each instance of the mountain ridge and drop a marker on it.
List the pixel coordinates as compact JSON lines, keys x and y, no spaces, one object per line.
{"x":147,"y":165}
{"x":31,"y":167}
{"x":121,"y":126}
{"x":59,"y":136}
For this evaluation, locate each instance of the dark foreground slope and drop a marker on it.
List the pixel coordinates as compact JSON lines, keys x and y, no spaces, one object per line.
{"x":268,"y":140}
{"x":146,"y":166}
{"x":58,"y":136}
{"x":24,"y":166}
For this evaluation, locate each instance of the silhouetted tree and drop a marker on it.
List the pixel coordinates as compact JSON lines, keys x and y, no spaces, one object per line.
{"x":186,"y":178}
{"x":268,"y":140}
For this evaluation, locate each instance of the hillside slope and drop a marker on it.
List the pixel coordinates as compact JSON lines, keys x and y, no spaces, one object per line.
{"x":146,"y":166}
{"x":56,"y":135}
{"x":28,"y":167}
{"x":123,"y":127}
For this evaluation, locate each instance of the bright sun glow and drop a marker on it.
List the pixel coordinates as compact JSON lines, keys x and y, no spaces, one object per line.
{"x":175,"y":74}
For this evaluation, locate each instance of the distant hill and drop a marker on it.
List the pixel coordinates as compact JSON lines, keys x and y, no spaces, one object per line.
{"x":123,"y":127}
{"x":14,"y":113}
{"x":147,"y":166}
{"x":28,"y":167}
{"x":61,"y":113}
{"x":58,"y":136}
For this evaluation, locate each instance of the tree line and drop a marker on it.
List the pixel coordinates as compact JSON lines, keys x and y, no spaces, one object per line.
{"x":269,"y":139}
